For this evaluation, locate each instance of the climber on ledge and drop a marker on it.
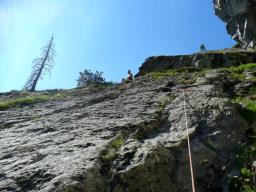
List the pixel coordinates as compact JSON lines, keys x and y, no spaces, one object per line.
{"x":129,"y":77}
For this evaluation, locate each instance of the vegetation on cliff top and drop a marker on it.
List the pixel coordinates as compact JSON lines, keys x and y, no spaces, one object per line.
{"x":238,"y":72}
{"x":26,"y":98}
{"x":175,"y":72}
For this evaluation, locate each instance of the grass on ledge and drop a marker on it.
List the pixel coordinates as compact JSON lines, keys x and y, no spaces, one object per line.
{"x":248,"y":112}
{"x":174,"y":72}
{"x":237,"y":72}
{"x":28,"y":100}
{"x":161,"y":74}
{"x":242,"y":68}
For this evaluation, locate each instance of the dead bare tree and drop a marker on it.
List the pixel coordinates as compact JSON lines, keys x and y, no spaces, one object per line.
{"x":41,"y":66}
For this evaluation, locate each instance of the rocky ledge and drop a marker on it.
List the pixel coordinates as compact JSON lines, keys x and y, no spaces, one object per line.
{"x":208,"y":59}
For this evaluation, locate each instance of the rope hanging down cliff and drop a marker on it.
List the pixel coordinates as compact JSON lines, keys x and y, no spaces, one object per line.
{"x":184,"y":90}
{"x":189,"y":148}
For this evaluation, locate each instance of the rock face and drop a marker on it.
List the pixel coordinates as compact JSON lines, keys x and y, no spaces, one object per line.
{"x":240,"y":16}
{"x":210,"y":59}
{"x":132,"y":137}
{"x":127,"y":138}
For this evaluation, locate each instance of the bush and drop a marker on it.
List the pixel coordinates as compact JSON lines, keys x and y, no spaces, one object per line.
{"x":88,"y":77}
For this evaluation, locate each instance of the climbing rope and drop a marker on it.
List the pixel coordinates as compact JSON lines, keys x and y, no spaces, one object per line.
{"x":189,"y":148}
{"x":184,"y":90}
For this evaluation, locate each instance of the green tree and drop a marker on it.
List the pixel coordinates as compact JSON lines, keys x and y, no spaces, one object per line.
{"x":203,"y":48}
{"x":88,"y":77}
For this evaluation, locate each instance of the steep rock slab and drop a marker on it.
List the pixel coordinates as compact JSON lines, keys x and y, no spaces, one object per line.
{"x":129,"y":138}
{"x":159,"y":161}
{"x":55,"y":144}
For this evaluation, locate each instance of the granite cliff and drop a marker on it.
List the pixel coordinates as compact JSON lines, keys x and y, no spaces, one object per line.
{"x":131,"y":137}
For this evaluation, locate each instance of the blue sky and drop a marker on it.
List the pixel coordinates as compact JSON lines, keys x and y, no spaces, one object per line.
{"x":105,"y":35}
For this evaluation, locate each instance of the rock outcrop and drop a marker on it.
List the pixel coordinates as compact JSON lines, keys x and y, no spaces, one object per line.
{"x":240,"y":16}
{"x":209,"y":59}
{"x":126,"y":138}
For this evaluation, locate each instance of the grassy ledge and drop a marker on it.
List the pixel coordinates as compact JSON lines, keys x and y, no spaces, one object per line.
{"x":237,"y":72}
{"x":175,"y":72}
{"x":28,"y":100}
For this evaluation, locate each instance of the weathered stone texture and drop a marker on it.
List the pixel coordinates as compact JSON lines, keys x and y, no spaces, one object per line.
{"x":210,"y":59}
{"x":59,"y":145}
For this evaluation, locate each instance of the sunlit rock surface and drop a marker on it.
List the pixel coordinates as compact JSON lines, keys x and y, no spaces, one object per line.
{"x":128,"y":137}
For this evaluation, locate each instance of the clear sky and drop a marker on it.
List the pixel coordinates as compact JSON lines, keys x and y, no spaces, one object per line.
{"x":105,"y":35}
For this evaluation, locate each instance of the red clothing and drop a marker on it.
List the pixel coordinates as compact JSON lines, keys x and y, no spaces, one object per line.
{"x":130,"y":77}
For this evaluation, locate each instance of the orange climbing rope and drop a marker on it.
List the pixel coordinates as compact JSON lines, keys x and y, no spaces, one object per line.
{"x":189,"y":148}
{"x":184,"y":90}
